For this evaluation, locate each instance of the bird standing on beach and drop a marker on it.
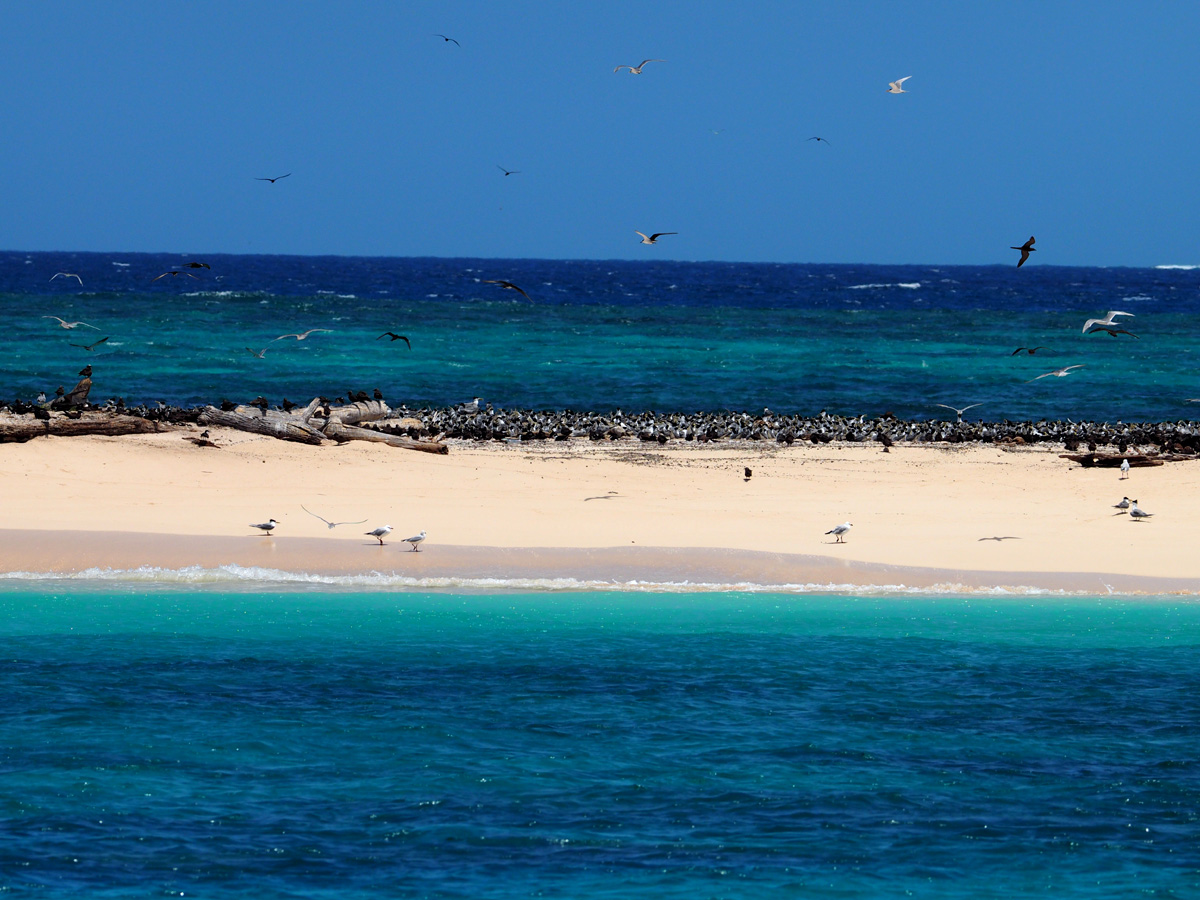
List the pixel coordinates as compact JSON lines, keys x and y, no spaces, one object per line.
{"x":1057,"y":373}
{"x":637,"y":70}
{"x":1137,"y":513}
{"x":67,"y":275}
{"x":381,"y":532}
{"x":415,"y":539}
{"x":63,"y":323}
{"x":395,"y":337}
{"x":301,"y":337}
{"x":838,"y":531}
{"x":1122,"y":506}
{"x":507,"y":285}
{"x":653,"y":239}
{"x":1124,"y":468}
{"x":1026,"y":248}
{"x":265,"y":527}
{"x":894,"y":86}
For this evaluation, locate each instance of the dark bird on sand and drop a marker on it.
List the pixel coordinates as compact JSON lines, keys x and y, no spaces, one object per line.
{"x":1029,"y":350}
{"x":92,"y":346}
{"x":1026,"y":248}
{"x":273,"y":180}
{"x":448,"y":39}
{"x":396,"y":337}
{"x":747,"y":474}
{"x":507,"y":285}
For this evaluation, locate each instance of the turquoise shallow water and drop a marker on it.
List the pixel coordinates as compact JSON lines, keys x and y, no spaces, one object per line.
{"x":167,"y":741}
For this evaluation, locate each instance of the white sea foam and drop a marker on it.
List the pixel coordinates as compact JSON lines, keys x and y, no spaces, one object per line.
{"x":266,"y":579}
{"x":1177,"y":267}
{"x":908,"y":285}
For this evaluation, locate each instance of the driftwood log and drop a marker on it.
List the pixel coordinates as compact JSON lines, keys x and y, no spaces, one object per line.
{"x":19,"y":429}
{"x":1088,"y":460}
{"x":339,"y":432}
{"x":270,"y":423}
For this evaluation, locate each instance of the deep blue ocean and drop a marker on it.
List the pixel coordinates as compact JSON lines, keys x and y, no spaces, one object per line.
{"x":239,"y":743}
{"x":607,"y":335}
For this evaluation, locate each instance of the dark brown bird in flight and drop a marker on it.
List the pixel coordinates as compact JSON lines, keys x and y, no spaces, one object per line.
{"x":1026,"y":248}
{"x":273,"y":180}
{"x":1029,"y":350}
{"x":507,"y":285}
{"x":451,"y":40}
{"x":821,"y":139}
{"x":196,"y":265}
{"x":173,"y":273}
{"x":91,"y":346}
{"x":653,"y":238}
{"x":396,"y":337}
{"x":508,"y":171}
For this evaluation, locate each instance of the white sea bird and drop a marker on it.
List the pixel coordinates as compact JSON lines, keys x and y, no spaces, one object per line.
{"x":1124,"y":468}
{"x":1137,"y":513}
{"x":653,"y":238}
{"x":265,"y":527}
{"x":301,"y":337}
{"x":63,"y":323}
{"x":894,"y":86}
{"x":957,"y":410}
{"x":1057,"y":373}
{"x":415,"y":539}
{"x":381,"y":532}
{"x":1122,"y":506}
{"x":472,"y":407}
{"x":67,"y":275}
{"x":1104,"y":324}
{"x":637,"y":70}
{"x":326,"y":521}
{"x":839,"y":530}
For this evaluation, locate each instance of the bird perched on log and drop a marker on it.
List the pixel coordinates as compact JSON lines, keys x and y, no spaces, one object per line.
{"x":261,"y":403}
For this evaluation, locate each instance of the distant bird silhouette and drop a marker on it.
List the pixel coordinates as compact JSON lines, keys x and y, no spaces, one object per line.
{"x":1026,"y":248}
{"x":747,"y":473}
{"x":90,"y":347}
{"x":395,"y":337}
{"x":173,"y":273}
{"x":1007,"y":537}
{"x":637,"y":70}
{"x":508,"y":171}
{"x":821,"y":139}
{"x":507,"y":285}
{"x":63,"y":323}
{"x":653,"y":239}
{"x":196,"y":265}
{"x":273,"y":180}
{"x":958,"y":411}
{"x":1029,"y":350}
{"x":67,"y":275}
{"x":301,"y":337}
{"x":894,"y":86}
{"x":1057,"y":373}
{"x":449,"y":39}
{"x":261,"y":354}
{"x":326,"y":521}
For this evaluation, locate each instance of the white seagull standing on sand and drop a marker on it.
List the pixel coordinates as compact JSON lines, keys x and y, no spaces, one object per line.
{"x":381,"y":532}
{"x":415,"y":539}
{"x":637,"y":70}
{"x":839,"y":530}
{"x":1124,"y":468}
{"x":266,"y":527}
{"x":894,"y":86}
{"x":653,"y":239}
{"x":1137,"y":513}
{"x":1057,"y":373}
{"x":63,"y":323}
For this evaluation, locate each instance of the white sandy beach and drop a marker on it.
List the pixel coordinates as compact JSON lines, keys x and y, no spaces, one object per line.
{"x":622,"y":511}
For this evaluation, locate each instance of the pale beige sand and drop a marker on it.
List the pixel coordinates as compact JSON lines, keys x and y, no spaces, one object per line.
{"x":679,"y":512}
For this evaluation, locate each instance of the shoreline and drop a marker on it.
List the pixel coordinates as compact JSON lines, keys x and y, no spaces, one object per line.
{"x":601,"y":512}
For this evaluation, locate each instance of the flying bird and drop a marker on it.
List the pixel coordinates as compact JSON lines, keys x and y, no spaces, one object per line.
{"x":894,"y":86}
{"x":301,"y":337}
{"x":1091,"y":326}
{"x":637,"y":70}
{"x":273,"y":180}
{"x":653,"y":239}
{"x":67,"y":275}
{"x":448,"y":39}
{"x":173,"y":273}
{"x":63,"y":323}
{"x":90,"y":347}
{"x":1029,"y":350}
{"x":195,"y":265}
{"x":1057,"y":373}
{"x":1026,"y":248}
{"x":415,"y":539}
{"x":266,"y":527}
{"x":381,"y":532}
{"x":508,"y":171}
{"x":507,"y":285}
{"x":395,"y":337}
{"x":821,"y":139}
{"x":261,"y":354}
{"x":838,"y":531}
{"x":1006,"y":537}
{"x":958,"y":411}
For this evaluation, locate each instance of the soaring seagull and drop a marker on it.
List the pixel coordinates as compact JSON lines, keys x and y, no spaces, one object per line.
{"x":326,"y":521}
{"x":67,"y":275}
{"x":637,"y":70}
{"x":1091,"y":326}
{"x":1057,"y":373}
{"x":958,"y":411}
{"x":1026,"y":248}
{"x":894,"y":86}
{"x":63,"y":323}
{"x":301,"y":337}
{"x":653,"y":239}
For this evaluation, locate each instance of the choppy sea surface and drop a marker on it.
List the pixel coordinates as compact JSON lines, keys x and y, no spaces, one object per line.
{"x":165,"y":742}
{"x":605,"y":335}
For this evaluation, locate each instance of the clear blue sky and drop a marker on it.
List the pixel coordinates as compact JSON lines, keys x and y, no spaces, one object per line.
{"x":141,"y":126}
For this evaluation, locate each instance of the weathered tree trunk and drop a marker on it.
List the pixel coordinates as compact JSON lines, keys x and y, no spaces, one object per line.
{"x":273,"y":423}
{"x":367,"y":411}
{"x":1087,"y":460}
{"x":19,"y":429}
{"x":339,"y":432}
